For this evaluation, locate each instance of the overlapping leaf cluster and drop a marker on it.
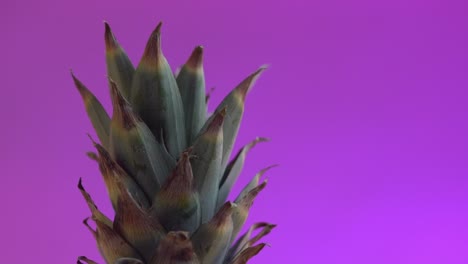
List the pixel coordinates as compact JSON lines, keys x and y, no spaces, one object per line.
{"x":166,"y":166}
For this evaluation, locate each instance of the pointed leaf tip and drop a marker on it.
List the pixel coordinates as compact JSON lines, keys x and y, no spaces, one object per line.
{"x":153,"y":51}
{"x":92,"y":155}
{"x":92,"y":139}
{"x":85,"y":223}
{"x":96,"y":214}
{"x":248,"y":199}
{"x":254,"y":142}
{"x":234,"y":169}
{"x":246,"y":85}
{"x":96,"y":112}
{"x":85,"y":259}
{"x":253,"y":183}
{"x":111,"y":42}
{"x":122,"y":110}
{"x":224,"y":213}
{"x":196,"y":58}
{"x":217,"y":122}
{"x":84,"y":92}
{"x":262,"y":171}
{"x":80,"y":185}
{"x":246,"y":241}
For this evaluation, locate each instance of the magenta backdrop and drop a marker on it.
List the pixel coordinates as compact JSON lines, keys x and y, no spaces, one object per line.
{"x":365,"y":102}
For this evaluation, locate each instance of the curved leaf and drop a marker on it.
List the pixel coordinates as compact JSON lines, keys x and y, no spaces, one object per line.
{"x":96,"y":214}
{"x":253,"y":183}
{"x":241,"y":211}
{"x":234,"y":103}
{"x":234,"y":169}
{"x":247,"y":254}
{"x":246,"y":241}
{"x":96,"y":112}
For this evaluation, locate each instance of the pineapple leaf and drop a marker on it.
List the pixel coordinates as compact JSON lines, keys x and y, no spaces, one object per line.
{"x":243,"y":206}
{"x":234,"y":169}
{"x":96,"y":112}
{"x":92,"y":155}
{"x":114,"y":176}
{"x":96,"y":214}
{"x":176,"y":205}
{"x":156,"y":97}
{"x":191,"y":83}
{"x":136,"y":226}
{"x":211,"y":240}
{"x":85,"y":260}
{"x":134,"y":147}
{"x":206,"y":165}
{"x":245,"y":241}
{"x":247,"y":254}
{"x":253,"y":183}
{"x":234,"y":102}
{"x":175,"y":248}
{"x":119,"y":66}
{"x":111,"y":245}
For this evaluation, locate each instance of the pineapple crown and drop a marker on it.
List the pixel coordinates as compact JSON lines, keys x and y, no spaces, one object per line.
{"x":166,"y":164}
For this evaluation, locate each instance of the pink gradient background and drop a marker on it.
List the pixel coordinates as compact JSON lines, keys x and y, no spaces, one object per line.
{"x":365,"y":102}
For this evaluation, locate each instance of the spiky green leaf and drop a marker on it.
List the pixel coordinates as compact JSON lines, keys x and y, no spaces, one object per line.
{"x":191,"y":83}
{"x":253,"y":183}
{"x":234,"y":169}
{"x":176,"y":205}
{"x":234,"y":103}
{"x":156,"y":97}
{"x":211,"y":240}
{"x":136,"y":226}
{"x":241,"y":211}
{"x":134,"y":147}
{"x":206,"y":165}
{"x":114,"y":176}
{"x":119,"y":67}
{"x":96,"y":112}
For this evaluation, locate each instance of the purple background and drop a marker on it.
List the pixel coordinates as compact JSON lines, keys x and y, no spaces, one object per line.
{"x":365,"y":102}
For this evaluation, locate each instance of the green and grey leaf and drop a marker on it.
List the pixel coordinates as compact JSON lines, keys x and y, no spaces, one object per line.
{"x":119,"y":67}
{"x":191,"y":83}
{"x":234,"y":169}
{"x":96,"y":112}
{"x":156,"y":97}
{"x":135,"y":149}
